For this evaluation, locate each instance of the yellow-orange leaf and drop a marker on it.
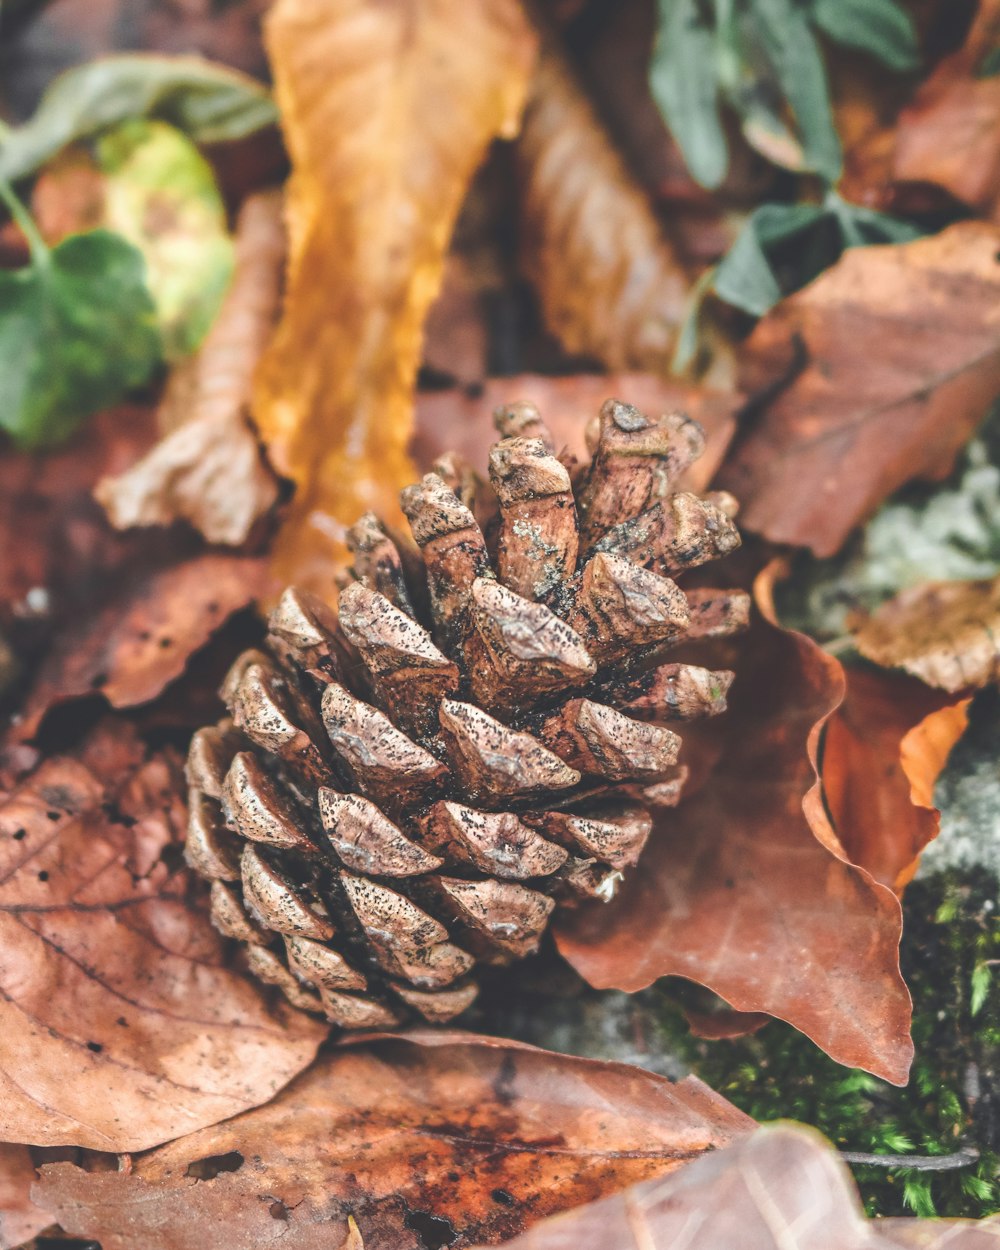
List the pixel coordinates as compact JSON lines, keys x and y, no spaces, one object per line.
{"x":387,"y":108}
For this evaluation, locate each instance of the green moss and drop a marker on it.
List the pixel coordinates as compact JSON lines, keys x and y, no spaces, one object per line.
{"x":952,"y":1101}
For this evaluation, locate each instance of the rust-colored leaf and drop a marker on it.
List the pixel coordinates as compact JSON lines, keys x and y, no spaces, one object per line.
{"x":452,"y":421}
{"x":446,"y":1143}
{"x":54,"y":539}
{"x":743,"y":889}
{"x":782,"y":1188}
{"x":945,"y":633}
{"x":122,"y":1024}
{"x":883,"y":750}
{"x":207,"y":468}
{"x":20,"y":1219}
{"x":143,"y":638}
{"x":610,"y":284}
{"x":387,"y":108}
{"x":949,"y":135}
{"x":855,"y":425}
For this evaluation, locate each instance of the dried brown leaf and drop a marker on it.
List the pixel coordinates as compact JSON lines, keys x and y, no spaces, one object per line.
{"x":450,"y":1142}
{"x":855,"y":425}
{"x":949,"y":135}
{"x":945,"y":633}
{"x":387,"y":109}
{"x":144,"y":637}
{"x":53,"y":537}
{"x":20,"y":1219}
{"x":745,"y":889}
{"x":883,"y":750}
{"x":208,"y":469}
{"x":610,"y":284}
{"x":782,"y":1188}
{"x":122,"y":1025}
{"x":452,"y":421}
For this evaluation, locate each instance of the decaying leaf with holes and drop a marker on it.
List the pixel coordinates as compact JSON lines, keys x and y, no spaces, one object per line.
{"x":408,"y":785}
{"x":442,"y":1140}
{"x":123,"y":1026}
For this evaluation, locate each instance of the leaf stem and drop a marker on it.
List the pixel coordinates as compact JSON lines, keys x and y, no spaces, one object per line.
{"x":39,"y":248}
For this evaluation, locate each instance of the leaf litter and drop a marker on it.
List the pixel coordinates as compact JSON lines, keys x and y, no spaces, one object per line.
{"x":775,"y":882}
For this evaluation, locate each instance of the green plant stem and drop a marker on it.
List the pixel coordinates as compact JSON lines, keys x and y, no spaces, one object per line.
{"x":39,"y":248}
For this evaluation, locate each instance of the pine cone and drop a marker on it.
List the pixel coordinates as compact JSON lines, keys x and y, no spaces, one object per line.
{"x":407,"y":786}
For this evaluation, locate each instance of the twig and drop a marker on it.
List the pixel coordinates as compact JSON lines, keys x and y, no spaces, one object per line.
{"x":918,"y":1163}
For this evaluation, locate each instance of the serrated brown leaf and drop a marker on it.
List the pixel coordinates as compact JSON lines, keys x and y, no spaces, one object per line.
{"x":20,"y":1219}
{"x":782,"y":1188}
{"x":945,"y":633}
{"x":144,"y":637}
{"x":743,"y":887}
{"x":883,"y":750}
{"x":207,"y":468}
{"x":609,"y":282}
{"x":453,"y":421}
{"x":453,"y":1141}
{"x":123,"y":1026}
{"x":854,"y":425}
{"x":387,"y":108}
{"x":949,"y":134}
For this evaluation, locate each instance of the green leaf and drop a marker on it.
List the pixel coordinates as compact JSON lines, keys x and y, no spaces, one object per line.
{"x":861,"y":227}
{"x":745,"y":277}
{"x":683,"y":80}
{"x":208,"y":102}
{"x":880,"y":27}
{"x":77,"y":329}
{"x":783,"y":30}
{"x":161,"y":195}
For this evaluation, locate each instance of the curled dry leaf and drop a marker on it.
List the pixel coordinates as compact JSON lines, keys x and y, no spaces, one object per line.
{"x":609,"y":282}
{"x":141,"y":641}
{"x":453,"y":421}
{"x":782,"y":1188}
{"x":745,"y":889}
{"x":122,"y":1025}
{"x":883,"y":750}
{"x":20,"y":1219}
{"x":455,"y":1141}
{"x":208,"y":469}
{"x":950,"y":133}
{"x":854,"y":426}
{"x":945,"y":633}
{"x":387,"y":109}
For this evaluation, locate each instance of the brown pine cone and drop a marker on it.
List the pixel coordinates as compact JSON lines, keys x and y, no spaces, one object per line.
{"x":408,"y":785}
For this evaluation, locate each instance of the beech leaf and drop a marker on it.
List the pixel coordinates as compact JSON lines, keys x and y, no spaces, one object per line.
{"x":209,"y":102}
{"x":949,"y":133}
{"x":610,"y":284}
{"x":387,"y":109}
{"x":20,"y":1219}
{"x":883,"y":750}
{"x":143,"y":638}
{"x":853,"y":426}
{"x":782,"y":1188}
{"x":745,"y":888}
{"x":427,"y":1139}
{"x":123,"y":1023}
{"x":945,"y":633}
